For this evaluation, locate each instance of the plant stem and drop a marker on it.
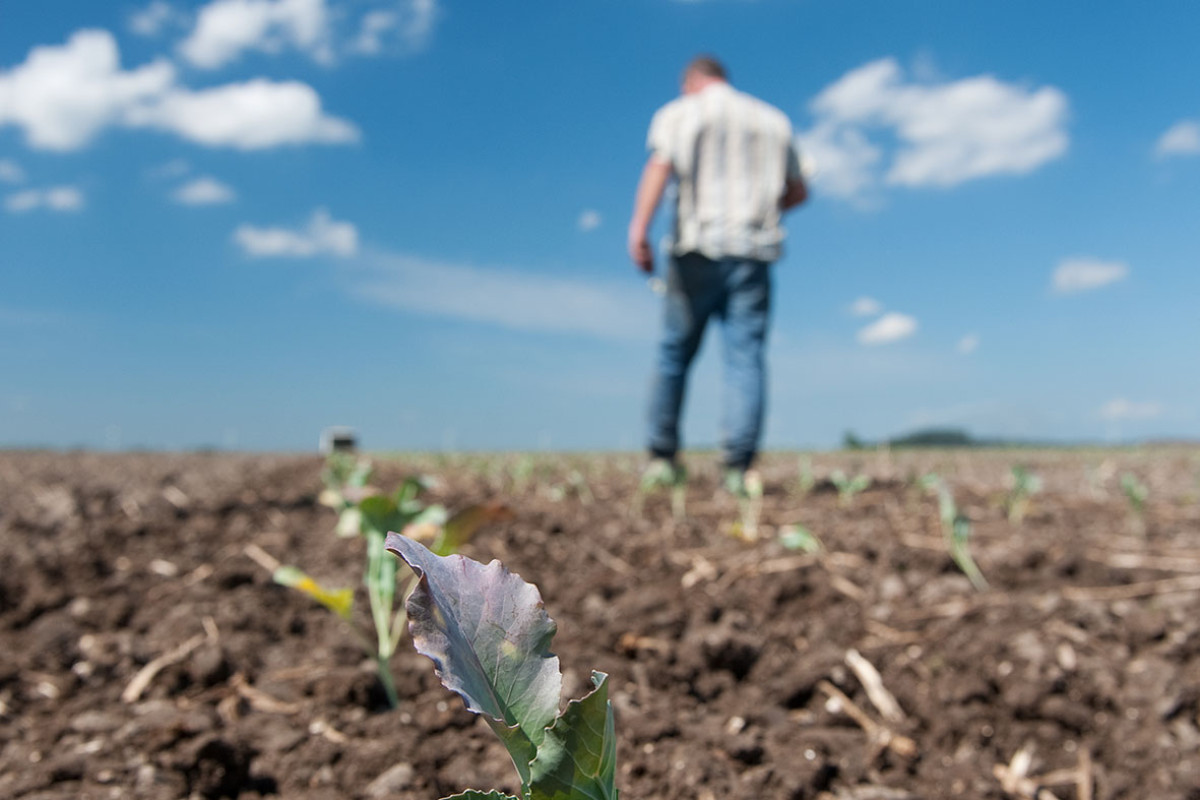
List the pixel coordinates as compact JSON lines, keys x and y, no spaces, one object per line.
{"x":389,"y":684}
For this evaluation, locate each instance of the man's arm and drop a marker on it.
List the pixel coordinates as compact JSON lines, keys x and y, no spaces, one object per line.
{"x":795,"y":192}
{"x":650,"y":190}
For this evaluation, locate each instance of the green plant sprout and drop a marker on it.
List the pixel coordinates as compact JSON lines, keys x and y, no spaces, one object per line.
{"x":805,"y":480}
{"x":345,"y":478}
{"x":1136,"y":493}
{"x":1023,"y":485}
{"x":747,"y":487}
{"x":956,"y":529}
{"x":521,"y":472}
{"x":798,"y":537}
{"x":364,"y":511}
{"x":847,"y":488}
{"x":488,"y":635}
{"x":575,"y":484}
{"x":662,"y":474}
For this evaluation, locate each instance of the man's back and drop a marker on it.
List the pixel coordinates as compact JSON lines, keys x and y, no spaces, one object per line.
{"x":732,"y":155}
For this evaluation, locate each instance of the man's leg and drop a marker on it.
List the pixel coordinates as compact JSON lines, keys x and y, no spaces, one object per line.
{"x":746,"y":315}
{"x":693,"y":290}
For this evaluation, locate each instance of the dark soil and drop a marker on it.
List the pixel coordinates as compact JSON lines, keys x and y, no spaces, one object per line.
{"x":725,"y":655}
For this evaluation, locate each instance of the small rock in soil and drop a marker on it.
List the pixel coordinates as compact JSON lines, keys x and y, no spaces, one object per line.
{"x":394,"y":780}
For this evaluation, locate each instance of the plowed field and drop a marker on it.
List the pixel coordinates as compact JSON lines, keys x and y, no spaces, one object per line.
{"x":737,"y":667}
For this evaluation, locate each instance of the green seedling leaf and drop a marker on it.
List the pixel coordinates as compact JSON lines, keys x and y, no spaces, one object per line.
{"x":578,"y":759}
{"x":848,"y":487}
{"x":960,"y":551}
{"x":361,"y":475}
{"x":343,"y":469}
{"x":929,"y":481}
{"x":1023,"y":484}
{"x":947,"y":508}
{"x":474,"y":794}
{"x":406,"y":496}
{"x":380,"y":514}
{"x":797,"y":537}
{"x":1135,"y":491}
{"x":488,"y":636}
{"x":339,"y":601}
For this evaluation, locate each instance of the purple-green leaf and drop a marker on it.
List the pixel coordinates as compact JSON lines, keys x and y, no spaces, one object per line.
{"x":578,"y":758}
{"x":489,"y":637}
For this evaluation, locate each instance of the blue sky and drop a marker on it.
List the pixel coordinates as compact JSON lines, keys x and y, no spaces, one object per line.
{"x":233,"y":223}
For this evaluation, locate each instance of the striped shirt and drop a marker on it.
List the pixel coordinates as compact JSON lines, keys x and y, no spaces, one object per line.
{"x":732,"y":155}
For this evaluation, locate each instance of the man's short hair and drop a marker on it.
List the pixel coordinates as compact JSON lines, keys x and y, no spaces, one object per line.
{"x":708,"y":66}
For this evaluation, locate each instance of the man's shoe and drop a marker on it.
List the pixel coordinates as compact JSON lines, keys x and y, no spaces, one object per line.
{"x":661,"y":473}
{"x":743,"y":484}
{"x":735,"y":481}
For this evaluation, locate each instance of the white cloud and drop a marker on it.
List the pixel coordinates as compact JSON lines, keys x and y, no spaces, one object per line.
{"x":321,"y":236}
{"x":891,"y":327}
{"x":946,"y":133}
{"x":1119,"y":409}
{"x":407,"y":25}
{"x":64,"y":96}
{"x":254,"y":115}
{"x":204,"y":191}
{"x":1084,"y":274}
{"x":1181,"y":139}
{"x":55,"y":198}
{"x":865,"y":307}
{"x":374,"y":27}
{"x":225,"y":29}
{"x":11,"y":172}
{"x":507,"y":298}
{"x":228,"y":29}
{"x":589,"y":220}
{"x":153,"y":19}
{"x":841,"y":160}
{"x":968,"y":344}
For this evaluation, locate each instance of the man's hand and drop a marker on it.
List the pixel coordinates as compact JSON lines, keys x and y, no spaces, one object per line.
{"x":640,"y":251}
{"x":649,"y":192}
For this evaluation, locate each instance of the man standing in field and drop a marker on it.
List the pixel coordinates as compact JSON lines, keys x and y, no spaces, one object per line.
{"x":736,"y":171}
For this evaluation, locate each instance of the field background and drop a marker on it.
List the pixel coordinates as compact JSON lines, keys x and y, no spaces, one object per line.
{"x":1077,"y":674}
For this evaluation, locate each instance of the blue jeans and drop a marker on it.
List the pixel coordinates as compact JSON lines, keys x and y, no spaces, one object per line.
{"x":737,"y":292}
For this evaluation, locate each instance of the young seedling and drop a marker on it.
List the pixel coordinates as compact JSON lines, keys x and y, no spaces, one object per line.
{"x":575,"y":484}
{"x":1023,"y":485}
{"x":798,"y":537}
{"x":805,"y":480}
{"x":521,"y":472}
{"x":345,"y":478}
{"x":847,"y":488}
{"x":960,"y":551}
{"x":956,"y":529}
{"x":488,"y":635}
{"x":659,"y":475}
{"x":747,"y":487}
{"x":1136,"y":493}
{"x":364,"y":511}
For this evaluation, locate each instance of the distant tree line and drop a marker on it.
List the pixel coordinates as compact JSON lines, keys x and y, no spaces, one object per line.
{"x":931,"y":437}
